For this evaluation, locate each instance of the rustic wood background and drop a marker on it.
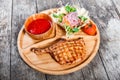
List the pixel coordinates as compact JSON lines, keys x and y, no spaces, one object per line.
{"x":106,"y":64}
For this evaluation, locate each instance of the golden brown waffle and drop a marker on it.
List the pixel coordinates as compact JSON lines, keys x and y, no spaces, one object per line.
{"x":65,"y":51}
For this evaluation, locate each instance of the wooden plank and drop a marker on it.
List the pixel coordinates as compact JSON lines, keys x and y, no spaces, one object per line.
{"x":44,"y":5}
{"x":5,"y":38}
{"x":47,"y":4}
{"x":116,"y":4}
{"x":98,"y":68}
{"x":97,"y":13}
{"x":108,"y":53}
{"x":104,"y":14}
{"x":20,"y":70}
{"x":72,"y":76}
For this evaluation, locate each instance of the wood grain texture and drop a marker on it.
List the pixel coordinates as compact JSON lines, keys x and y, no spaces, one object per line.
{"x":105,"y":66}
{"x":116,"y":4}
{"x":105,"y":16}
{"x":19,"y":70}
{"x":5,"y":38}
{"x":108,"y":51}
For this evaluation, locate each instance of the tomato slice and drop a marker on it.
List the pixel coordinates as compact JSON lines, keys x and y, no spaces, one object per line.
{"x":90,"y":29}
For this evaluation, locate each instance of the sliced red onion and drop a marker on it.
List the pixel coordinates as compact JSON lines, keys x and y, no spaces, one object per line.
{"x":72,"y":19}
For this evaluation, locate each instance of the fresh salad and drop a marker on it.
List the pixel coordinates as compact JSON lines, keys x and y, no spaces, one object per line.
{"x":71,"y":19}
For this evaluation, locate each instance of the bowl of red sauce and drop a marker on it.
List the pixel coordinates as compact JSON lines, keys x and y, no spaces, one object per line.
{"x":39,"y":26}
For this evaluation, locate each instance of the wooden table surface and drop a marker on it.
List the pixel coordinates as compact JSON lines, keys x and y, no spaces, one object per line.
{"x":105,"y":65}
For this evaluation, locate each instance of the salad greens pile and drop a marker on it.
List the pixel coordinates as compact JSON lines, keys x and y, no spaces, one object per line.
{"x":69,"y":30}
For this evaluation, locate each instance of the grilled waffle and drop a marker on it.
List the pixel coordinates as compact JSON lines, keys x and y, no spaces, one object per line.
{"x":65,"y":51}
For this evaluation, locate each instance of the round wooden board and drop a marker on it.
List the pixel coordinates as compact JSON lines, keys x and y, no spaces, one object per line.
{"x":45,"y":63}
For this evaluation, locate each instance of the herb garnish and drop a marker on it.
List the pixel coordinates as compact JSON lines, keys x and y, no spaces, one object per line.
{"x":70,"y":30}
{"x":59,"y":16}
{"x":69,"y":8}
{"x":82,"y":18}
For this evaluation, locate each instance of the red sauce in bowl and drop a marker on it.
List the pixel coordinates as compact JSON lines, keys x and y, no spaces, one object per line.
{"x":39,"y":26}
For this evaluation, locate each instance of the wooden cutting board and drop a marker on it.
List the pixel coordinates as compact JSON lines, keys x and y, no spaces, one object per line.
{"x":45,"y":63}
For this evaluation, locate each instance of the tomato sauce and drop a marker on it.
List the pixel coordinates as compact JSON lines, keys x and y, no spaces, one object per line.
{"x":39,"y":26}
